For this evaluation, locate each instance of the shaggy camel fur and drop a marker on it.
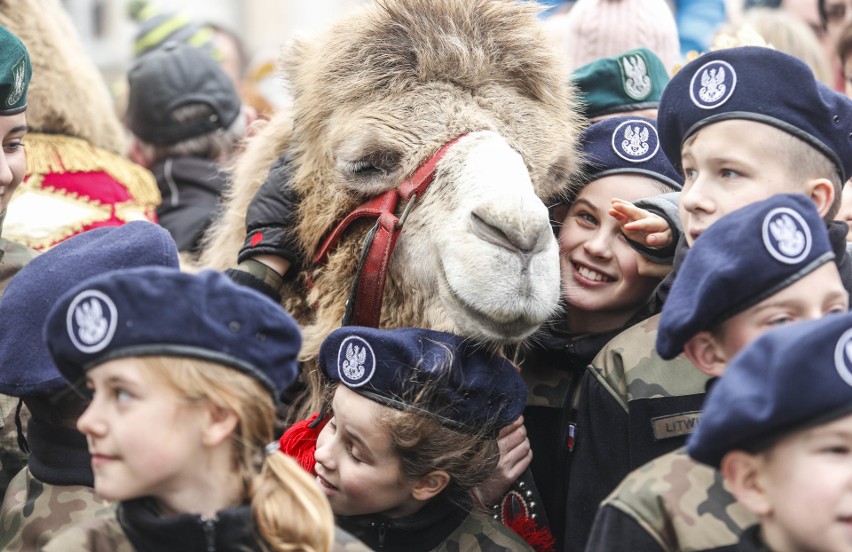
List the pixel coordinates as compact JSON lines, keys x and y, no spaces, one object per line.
{"x":377,"y":95}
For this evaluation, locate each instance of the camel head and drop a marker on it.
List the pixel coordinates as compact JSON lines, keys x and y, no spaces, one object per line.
{"x":374,"y":98}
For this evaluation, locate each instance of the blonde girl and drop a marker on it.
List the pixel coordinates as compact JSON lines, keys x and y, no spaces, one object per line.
{"x":183,"y":371}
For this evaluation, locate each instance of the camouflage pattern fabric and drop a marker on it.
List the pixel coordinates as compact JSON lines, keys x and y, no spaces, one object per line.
{"x":680,"y":504}
{"x":632,"y":407}
{"x":33,"y":512}
{"x":12,"y":459}
{"x":479,"y":532}
{"x":106,"y":535}
{"x":13,"y":257}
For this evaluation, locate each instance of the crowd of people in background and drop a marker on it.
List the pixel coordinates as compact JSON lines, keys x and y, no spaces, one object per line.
{"x":691,"y":392}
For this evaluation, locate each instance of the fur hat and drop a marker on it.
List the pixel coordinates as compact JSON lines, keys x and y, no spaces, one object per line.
{"x":601,"y":28}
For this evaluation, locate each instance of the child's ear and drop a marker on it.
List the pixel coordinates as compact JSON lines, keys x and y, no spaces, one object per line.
{"x":430,"y":485}
{"x":220,"y":425}
{"x":705,"y":352}
{"x":821,"y":191}
{"x":743,"y":475}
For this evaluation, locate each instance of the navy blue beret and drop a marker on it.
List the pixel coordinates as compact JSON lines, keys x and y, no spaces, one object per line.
{"x":474,"y":391}
{"x":792,"y":378}
{"x":627,"y":145}
{"x":155,"y":311}
{"x":27,"y":369}
{"x":743,"y":258}
{"x":631,"y":81}
{"x":757,"y":84}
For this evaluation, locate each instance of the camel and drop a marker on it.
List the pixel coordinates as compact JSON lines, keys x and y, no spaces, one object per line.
{"x":374,"y":98}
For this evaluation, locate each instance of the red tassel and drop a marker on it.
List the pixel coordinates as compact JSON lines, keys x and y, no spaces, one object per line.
{"x":539,"y":538}
{"x":300,"y":442}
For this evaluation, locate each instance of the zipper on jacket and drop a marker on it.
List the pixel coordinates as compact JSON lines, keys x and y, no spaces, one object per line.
{"x":383,"y":529}
{"x":209,"y":526}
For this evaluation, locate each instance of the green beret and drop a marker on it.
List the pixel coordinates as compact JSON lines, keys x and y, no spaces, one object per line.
{"x":631,"y":81}
{"x":15,"y":73}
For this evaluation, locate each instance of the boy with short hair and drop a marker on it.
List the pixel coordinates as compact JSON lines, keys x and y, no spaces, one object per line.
{"x":752,"y":123}
{"x":759,"y":267}
{"x":779,"y":428}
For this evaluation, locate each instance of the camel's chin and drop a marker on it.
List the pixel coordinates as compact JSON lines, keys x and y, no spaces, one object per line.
{"x":509,"y":314}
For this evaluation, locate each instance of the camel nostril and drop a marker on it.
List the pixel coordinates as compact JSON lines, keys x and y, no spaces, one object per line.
{"x":503,"y":235}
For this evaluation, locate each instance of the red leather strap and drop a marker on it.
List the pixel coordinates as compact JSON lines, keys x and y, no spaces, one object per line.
{"x":371,"y":278}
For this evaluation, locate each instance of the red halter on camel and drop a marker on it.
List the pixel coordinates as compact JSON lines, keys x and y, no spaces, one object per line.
{"x":364,"y":306}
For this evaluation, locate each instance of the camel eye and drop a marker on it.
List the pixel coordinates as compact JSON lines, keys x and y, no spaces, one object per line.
{"x":361,"y":167}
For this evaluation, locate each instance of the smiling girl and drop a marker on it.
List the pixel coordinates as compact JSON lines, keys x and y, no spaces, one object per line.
{"x":605,"y":288}
{"x":183,"y":371}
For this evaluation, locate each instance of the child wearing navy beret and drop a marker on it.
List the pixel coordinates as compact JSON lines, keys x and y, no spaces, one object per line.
{"x":410,"y":430}
{"x":183,"y":371}
{"x":778,"y":426}
{"x":763,"y":266}
{"x":604,"y":289}
{"x":742,"y":124}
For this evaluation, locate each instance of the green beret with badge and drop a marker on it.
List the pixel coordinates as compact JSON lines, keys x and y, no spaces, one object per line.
{"x":631,"y":81}
{"x":15,"y":73}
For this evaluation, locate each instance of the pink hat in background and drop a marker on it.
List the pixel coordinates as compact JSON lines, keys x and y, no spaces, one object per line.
{"x":594,"y":29}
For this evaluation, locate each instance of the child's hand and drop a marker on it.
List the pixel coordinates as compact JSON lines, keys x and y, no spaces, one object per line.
{"x":640,"y":225}
{"x":515,"y":457}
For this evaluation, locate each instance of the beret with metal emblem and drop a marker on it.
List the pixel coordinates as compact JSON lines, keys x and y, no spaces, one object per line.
{"x":745,"y":257}
{"x":631,"y":81}
{"x":756,"y":84}
{"x":15,"y":73}
{"x":27,"y":369}
{"x":472,"y":390}
{"x":159,"y":312}
{"x":627,"y":145}
{"x":792,"y":378}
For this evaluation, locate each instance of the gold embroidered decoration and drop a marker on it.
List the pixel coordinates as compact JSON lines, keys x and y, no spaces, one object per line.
{"x":55,"y":153}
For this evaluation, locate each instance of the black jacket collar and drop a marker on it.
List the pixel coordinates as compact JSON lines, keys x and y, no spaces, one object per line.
{"x":58,"y":455}
{"x":231,"y":529}
{"x":419,"y":532}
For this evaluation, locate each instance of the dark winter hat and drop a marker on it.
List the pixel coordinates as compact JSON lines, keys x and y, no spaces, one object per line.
{"x":627,"y":145}
{"x":154,"y":311}
{"x":27,"y":369}
{"x":172,"y":77}
{"x":474,"y":391}
{"x":631,"y":81}
{"x":743,"y":258}
{"x":15,"y":73}
{"x":793,"y":378}
{"x":757,"y":84}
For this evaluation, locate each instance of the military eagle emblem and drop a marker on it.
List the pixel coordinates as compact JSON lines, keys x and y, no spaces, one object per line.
{"x":713,"y":85}
{"x":635,"y":141}
{"x":18,"y":73}
{"x":92,"y":325}
{"x":637,"y":81}
{"x":353,"y":365}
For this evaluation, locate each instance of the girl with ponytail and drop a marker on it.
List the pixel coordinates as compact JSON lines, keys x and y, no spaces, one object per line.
{"x":183,"y":371}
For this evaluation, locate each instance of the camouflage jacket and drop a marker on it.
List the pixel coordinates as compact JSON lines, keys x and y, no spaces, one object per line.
{"x":13,"y":257}
{"x":552,"y":370}
{"x":106,"y":534}
{"x":439,"y":526}
{"x":632,"y":407}
{"x":671,"y":504}
{"x":34,"y":511}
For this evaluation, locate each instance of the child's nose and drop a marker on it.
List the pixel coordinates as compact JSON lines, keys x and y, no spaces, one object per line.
{"x":599,"y":245}
{"x":323,"y":455}
{"x":90,"y":422}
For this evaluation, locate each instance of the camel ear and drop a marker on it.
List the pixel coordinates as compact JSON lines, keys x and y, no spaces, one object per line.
{"x":744,"y":476}
{"x":705,"y":352}
{"x":430,"y":485}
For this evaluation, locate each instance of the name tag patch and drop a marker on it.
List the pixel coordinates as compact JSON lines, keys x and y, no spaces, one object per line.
{"x":675,"y":425}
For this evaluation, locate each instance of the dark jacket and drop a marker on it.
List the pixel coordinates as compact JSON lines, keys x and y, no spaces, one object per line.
{"x":191,"y":188}
{"x":439,"y":526}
